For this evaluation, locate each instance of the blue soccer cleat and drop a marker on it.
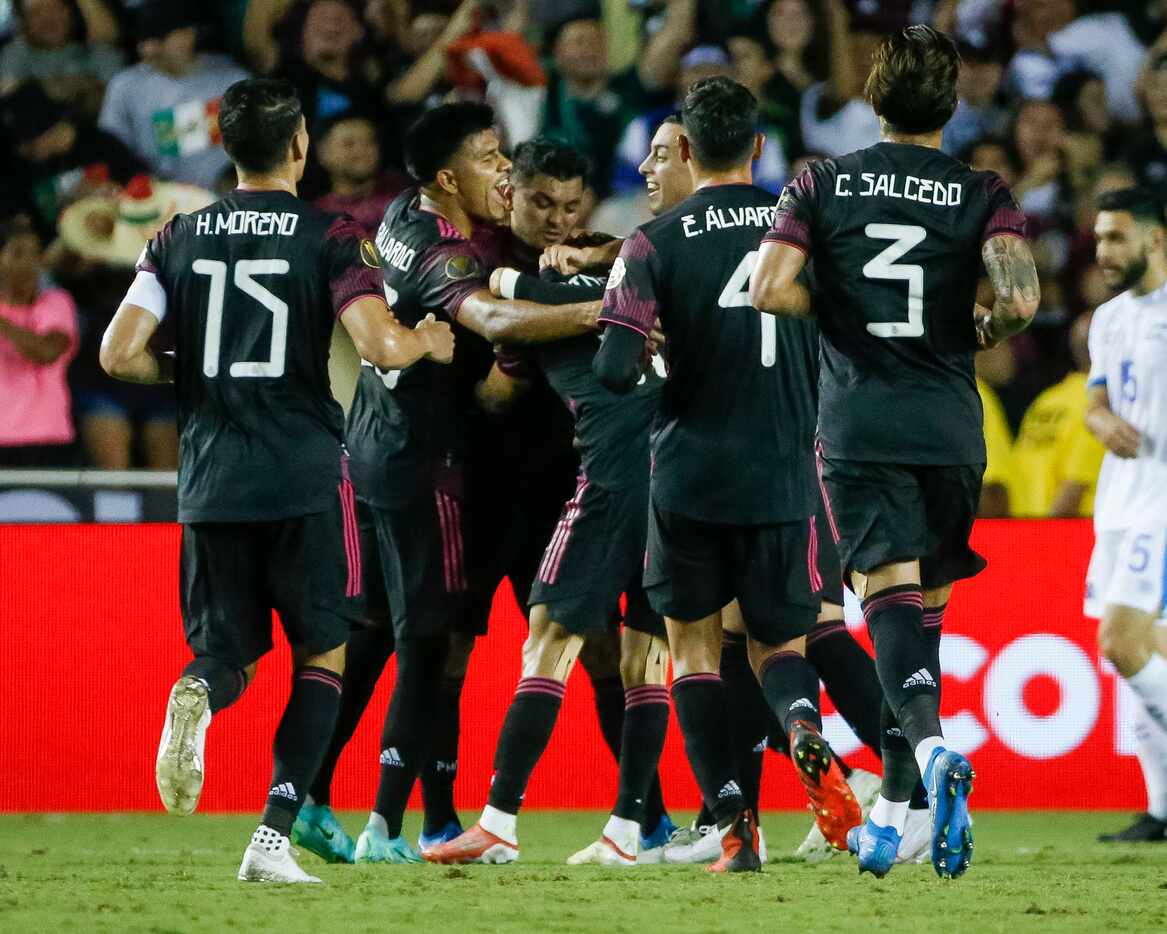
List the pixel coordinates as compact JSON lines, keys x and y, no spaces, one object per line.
{"x":875,"y":846}
{"x":318,"y":831}
{"x":948,"y":780}
{"x":445,"y":835}
{"x":373,"y":846}
{"x":665,"y":829}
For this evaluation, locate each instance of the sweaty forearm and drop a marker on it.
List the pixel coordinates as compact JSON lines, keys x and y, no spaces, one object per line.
{"x":519,"y":322}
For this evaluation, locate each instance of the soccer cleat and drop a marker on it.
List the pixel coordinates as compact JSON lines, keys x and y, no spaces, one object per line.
{"x":476,"y":845}
{"x":268,"y":858}
{"x":739,"y":846}
{"x":451,"y":831}
{"x":948,"y":780}
{"x":373,"y":846}
{"x":652,"y":847}
{"x":318,"y":831}
{"x":916,"y":845}
{"x":1145,"y":829}
{"x":865,"y":786}
{"x":179,"y":769}
{"x":835,"y":807}
{"x":875,"y":846}
{"x":695,"y":844}
{"x":602,"y":853}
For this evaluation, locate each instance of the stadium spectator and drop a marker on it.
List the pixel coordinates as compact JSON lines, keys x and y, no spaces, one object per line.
{"x":38,"y":337}
{"x":1147,"y":151}
{"x":1039,"y":137}
{"x":799,"y":37}
{"x":587,"y":107}
{"x":1055,"y":459}
{"x":166,"y":107}
{"x":978,"y":111}
{"x":58,"y":157}
{"x":349,"y":153}
{"x":69,"y":46}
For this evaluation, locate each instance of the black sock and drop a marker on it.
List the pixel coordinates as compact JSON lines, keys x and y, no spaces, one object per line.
{"x":525,"y":733}
{"x":848,"y":674}
{"x":704,"y":816}
{"x":791,"y":686}
{"x":646,"y":719}
{"x":609,"y":693}
{"x":751,"y":715}
{"x":405,"y":739}
{"x":225,"y":683}
{"x":901,"y":776}
{"x":905,"y":660}
{"x":776,"y":738}
{"x":441,"y":768}
{"x":366,"y":655}
{"x":301,"y":738}
{"x":933,"y":627}
{"x":654,"y":804}
{"x":704,"y":720}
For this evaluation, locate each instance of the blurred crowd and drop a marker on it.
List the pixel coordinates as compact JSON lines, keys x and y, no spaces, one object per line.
{"x":108,"y":126}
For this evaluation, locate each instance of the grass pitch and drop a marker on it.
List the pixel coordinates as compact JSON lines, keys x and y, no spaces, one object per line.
{"x":1033,"y":872}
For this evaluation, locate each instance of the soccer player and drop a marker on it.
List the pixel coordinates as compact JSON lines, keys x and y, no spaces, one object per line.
{"x":407,"y":430}
{"x":732,"y":486}
{"x":594,"y":556}
{"x":1127,"y":412}
{"x":255,"y":283}
{"x":892,"y":230}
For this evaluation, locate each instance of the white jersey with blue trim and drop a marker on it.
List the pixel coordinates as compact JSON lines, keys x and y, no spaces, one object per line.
{"x":1128,"y":355}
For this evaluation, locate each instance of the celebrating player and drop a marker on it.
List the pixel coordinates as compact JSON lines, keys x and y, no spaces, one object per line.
{"x":256,"y":282}
{"x":732,"y":486}
{"x":900,"y":419}
{"x":1128,"y":402}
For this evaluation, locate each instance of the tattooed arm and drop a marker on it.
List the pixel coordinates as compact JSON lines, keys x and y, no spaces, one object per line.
{"x":1014,"y":277}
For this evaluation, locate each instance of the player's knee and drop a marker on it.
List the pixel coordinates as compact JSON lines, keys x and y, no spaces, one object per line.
{"x":643,"y":659}
{"x":458,"y":659}
{"x":759,"y":652}
{"x":550,"y":651}
{"x":331,"y":660}
{"x":696,"y":647}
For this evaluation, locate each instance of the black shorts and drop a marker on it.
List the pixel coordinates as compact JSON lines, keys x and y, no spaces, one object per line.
{"x":415,"y":562}
{"x":829,"y":583}
{"x":693,"y":568}
{"x":884,"y":513}
{"x":233,"y":574}
{"x":596,"y":554}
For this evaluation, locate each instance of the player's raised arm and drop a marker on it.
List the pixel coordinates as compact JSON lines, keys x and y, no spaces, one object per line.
{"x":508,"y":321}
{"x":1009,"y":263}
{"x":774,"y":285}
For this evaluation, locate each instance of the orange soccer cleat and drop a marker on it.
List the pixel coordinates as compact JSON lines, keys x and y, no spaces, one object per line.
{"x":739,"y":846}
{"x":835,"y":808}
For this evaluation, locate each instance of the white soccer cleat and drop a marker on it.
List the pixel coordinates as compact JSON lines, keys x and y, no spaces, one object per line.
{"x":268,"y":858}
{"x":916,"y":843}
{"x":602,"y":853}
{"x":694,"y":845}
{"x":179,"y":769}
{"x":865,"y":785}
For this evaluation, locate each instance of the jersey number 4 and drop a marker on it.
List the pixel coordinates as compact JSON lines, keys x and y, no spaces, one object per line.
{"x":736,"y":294}
{"x":886,"y":265}
{"x":245,"y":270}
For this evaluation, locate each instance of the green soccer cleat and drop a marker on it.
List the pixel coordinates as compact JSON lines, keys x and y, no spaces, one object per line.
{"x":318,"y":831}
{"x":373,"y":846}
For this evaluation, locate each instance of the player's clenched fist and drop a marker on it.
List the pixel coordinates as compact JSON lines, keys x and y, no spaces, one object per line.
{"x":438,"y":338}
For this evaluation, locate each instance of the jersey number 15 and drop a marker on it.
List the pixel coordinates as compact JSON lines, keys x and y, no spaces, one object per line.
{"x":245,"y":269}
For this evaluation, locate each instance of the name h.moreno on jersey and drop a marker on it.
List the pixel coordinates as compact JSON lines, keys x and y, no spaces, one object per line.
{"x":256,"y":223}
{"x":720,"y":218}
{"x":911,"y":188}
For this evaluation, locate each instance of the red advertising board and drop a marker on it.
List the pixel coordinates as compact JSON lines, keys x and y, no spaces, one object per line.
{"x":90,"y":641}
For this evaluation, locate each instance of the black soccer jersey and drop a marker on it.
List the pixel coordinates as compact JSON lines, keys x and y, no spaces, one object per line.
{"x":737,"y":418}
{"x":255,"y":283}
{"x":407,"y":428}
{"x":896,"y":232}
{"x":611,"y":431}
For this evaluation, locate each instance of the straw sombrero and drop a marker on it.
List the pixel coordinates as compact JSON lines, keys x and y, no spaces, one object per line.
{"x":114,"y":229}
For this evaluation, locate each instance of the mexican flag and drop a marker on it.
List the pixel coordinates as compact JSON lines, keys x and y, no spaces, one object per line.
{"x":188,"y":128}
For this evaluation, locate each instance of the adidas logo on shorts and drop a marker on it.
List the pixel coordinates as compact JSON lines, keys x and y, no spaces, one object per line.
{"x":803,"y":702}
{"x":391,"y":757}
{"x":920,"y":679}
{"x":283,"y":790}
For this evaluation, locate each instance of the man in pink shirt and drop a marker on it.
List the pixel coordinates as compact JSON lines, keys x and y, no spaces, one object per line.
{"x":38,"y":338}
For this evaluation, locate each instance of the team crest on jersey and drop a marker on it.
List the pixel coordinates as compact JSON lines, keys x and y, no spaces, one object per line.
{"x":369,"y":255}
{"x":616,"y":276}
{"x":461,"y":267}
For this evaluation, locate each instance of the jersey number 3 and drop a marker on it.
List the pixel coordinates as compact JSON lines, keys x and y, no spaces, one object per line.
{"x":245,"y":269}
{"x":885,"y":266}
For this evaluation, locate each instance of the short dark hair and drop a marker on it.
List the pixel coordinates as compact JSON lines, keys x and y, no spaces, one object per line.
{"x":18,"y":225}
{"x":325,"y":125}
{"x":720,"y":118}
{"x":435,"y":136}
{"x":674,"y":118}
{"x":258,"y":118}
{"x":1141,"y":203}
{"x":912,"y":84}
{"x":542,"y":156}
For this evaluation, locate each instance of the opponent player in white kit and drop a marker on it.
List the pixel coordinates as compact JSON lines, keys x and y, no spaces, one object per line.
{"x":1127,"y":411}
